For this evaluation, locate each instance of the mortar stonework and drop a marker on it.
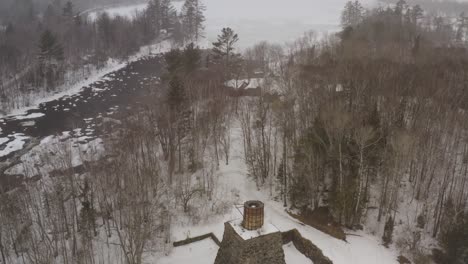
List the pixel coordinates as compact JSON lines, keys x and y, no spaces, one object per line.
{"x":266,"y":249}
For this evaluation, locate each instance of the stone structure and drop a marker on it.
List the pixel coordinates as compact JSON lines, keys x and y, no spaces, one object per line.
{"x":306,"y":247}
{"x":263,"y":249}
{"x":249,"y":241}
{"x":253,"y":215}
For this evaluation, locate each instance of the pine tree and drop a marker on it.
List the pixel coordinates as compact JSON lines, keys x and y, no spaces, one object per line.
{"x":191,"y":58}
{"x":352,"y":14}
{"x":176,"y":95}
{"x":388,"y":232}
{"x":68,"y":9}
{"x":167,"y":14}
{"x":462,"y":26}
{"x":223,"y":50}
{"x":173,"y":60}
{"x":401,"y":8}
{"x":153,"y":12}
{"x":161,"y":15}
{"x":50,"y":51}
{"x":416,"y":14}
{"x":192,"y":19}
{"x":50,"y":57}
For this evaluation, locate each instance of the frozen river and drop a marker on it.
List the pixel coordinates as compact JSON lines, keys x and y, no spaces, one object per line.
{"x":276,"y":21}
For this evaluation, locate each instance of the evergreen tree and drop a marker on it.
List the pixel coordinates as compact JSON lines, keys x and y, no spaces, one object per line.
{"x":153,"y":12}
{"x":191,"y":58}
{"x":462,"y":27}
{"x":50,"y":51}
{"x":388,"y":232}
{"x":161,"y":15}
{"x":193,"y":18}
{"x":400,"y":8}
{"x":50,"y":58}
{"x":105,"y":31}
{"x":224,"y":50}
{"x":455,"y":241}
{"x":173,"y":60}
{"x":352,"y":14}
{"x":168,"y":15}
{"x":176,"y":95}
{"x":68,"y":9}
{"x":416,"y":14}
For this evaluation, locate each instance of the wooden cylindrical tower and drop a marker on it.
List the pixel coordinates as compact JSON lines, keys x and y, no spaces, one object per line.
{"x":253,"y":215}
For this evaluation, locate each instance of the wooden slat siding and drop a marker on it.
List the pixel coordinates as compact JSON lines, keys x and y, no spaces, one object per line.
{"x":253,"y":216}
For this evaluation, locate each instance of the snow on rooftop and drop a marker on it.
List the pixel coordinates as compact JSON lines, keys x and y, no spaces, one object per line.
{"x":266,"y":229}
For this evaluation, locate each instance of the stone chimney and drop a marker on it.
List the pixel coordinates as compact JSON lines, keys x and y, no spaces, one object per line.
{"x":253,"y":215}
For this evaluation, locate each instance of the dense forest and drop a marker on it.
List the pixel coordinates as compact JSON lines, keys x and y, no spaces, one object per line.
{"x":371,"y":124}
{"x":446,"y":7}
{"x":365,"y":126}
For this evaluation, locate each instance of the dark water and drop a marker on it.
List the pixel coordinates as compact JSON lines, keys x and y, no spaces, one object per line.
{"x":116,"y":95}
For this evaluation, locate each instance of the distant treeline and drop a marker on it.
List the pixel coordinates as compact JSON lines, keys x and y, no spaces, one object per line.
{"x":10,"y":9}
{"x":448,"y":7}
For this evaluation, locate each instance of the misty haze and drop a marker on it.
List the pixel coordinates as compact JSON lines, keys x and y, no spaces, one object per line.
{"x":233,"y":132}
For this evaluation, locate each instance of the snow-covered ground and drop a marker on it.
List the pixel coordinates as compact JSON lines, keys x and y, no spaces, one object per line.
{"x":203,"y":252}
{"x":57,"y":153}
{"x":361,"y":248}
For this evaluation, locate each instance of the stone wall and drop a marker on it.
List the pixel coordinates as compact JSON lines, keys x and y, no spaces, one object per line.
{"x":305,"y":246}
{"x":196,"y":239}
{"x":267,"y":249}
